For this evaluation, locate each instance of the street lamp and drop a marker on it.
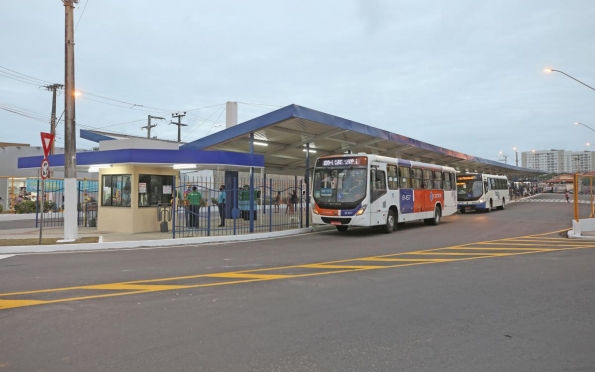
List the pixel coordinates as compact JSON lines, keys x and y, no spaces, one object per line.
{"x":516,"y":151}
{"x":563,"y":73}
{"x":585,"y":125}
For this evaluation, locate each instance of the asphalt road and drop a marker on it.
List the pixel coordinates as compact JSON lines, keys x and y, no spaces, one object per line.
{"x":485,"y":303}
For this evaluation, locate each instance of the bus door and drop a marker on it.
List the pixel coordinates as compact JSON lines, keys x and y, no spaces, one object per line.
{"x":378,"y":194}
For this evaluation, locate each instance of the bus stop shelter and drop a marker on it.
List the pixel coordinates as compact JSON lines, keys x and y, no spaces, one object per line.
{"x":289,"y":136}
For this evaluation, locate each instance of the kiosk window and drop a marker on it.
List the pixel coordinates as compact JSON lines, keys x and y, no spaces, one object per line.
{"x":154,"y":189}
{"x":115,"y":190}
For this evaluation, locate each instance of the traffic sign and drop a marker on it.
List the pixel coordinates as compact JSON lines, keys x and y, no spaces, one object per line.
{"x":45,"y":169}
{"x":46,"y":141}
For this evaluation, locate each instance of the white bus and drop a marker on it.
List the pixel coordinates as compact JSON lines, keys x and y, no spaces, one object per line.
{"x":482,"y":192}
{"x":372,"y":190}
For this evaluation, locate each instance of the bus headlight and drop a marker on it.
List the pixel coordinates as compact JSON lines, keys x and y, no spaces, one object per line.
{"x":480,"y":200}
{"x":361,"y":210}
{"x":315,"y":211}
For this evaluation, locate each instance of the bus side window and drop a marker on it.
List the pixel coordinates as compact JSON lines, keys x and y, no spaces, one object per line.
{"x":393,"y":177}
{"x":416,"y":178}
{"x":428,"y":179}
{"x":377,"y":184}
{"x":438,"y":180}
{"x":405,"y":177}
{"x":447,"y":181}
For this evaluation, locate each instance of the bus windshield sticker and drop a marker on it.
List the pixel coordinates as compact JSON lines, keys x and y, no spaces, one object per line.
{"x":326,"y":191}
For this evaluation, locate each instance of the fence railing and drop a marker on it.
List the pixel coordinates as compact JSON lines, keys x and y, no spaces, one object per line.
{"x":207,"y":207}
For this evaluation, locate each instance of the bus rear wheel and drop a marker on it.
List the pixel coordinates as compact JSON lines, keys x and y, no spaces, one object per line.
{"x":436,"y":220}
{"x":391,"y":223}
{"x":342,"y":228}
{"x":503,"y":205}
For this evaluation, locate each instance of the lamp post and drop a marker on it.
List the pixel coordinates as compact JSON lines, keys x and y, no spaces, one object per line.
{"x":516,"y":152}
{"x":585,"y":125}
{"x":563,"y":73}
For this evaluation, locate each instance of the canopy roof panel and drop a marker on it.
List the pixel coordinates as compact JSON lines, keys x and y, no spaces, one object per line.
{"x":281,"y":136}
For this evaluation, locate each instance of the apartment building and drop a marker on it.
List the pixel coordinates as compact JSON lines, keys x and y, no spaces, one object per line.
{"x":559,"y":161}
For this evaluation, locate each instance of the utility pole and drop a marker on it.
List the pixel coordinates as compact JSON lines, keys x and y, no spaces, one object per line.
{"x":149,"y":126}
{"x":179,"y":124}
{"x":70,"y":183}
{"x":53,"y":88}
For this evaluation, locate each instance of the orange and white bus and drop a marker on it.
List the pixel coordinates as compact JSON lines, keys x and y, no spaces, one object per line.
{"x":372,"y":190}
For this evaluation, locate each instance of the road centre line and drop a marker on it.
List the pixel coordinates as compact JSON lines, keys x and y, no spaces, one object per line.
{"x":256,"y":275}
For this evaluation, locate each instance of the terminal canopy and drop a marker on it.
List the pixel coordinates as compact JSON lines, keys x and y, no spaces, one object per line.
{"x":282,"y":136}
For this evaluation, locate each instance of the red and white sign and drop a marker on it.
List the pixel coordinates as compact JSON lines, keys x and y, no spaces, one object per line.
{"x":46,"y":141}
{"x":45,"y":169}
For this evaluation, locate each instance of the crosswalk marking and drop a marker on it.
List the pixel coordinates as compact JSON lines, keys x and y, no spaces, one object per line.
{"x":550,"y":201}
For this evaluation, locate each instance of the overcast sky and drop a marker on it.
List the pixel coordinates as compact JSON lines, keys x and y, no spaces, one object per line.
{"x":463,"y":74}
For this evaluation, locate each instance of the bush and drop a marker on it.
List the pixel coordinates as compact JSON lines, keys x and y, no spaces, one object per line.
{"x":26,"y":206}
{"x":1,"y":208}
{"x":29,"y":206}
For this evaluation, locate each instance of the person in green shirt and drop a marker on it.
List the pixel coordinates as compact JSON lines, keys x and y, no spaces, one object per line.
{"x":193,"y":199}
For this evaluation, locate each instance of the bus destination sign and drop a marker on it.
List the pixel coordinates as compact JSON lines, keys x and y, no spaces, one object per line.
{"x":343,"y":162}
{"x":469,"y":178}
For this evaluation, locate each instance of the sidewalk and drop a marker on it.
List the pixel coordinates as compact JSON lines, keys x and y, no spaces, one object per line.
{"x":108,"y":240}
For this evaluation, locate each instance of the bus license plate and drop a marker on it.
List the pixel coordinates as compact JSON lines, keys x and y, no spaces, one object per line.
{"x":335,"y":222}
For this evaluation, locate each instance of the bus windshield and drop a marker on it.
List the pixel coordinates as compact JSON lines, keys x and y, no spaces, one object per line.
{"x":339,"y":186}
{"x":469,"y":190}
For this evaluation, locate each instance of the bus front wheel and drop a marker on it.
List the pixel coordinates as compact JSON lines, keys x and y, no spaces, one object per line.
{"x":390,"y":222}
{"x":503,"y":205}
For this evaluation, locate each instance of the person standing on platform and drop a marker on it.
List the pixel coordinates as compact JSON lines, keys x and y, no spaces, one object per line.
{"x":193,"y":200}
{"x":221,"y":205}
{"x":187,"y":206}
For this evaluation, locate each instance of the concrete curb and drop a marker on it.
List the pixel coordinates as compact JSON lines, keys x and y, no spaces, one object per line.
{"x":148,"y":243}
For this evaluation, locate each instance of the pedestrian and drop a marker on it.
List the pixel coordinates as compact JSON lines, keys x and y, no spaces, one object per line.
{"x":567,"y":197}
{"x":221,"y":204}
{"x":289,"y":208}
{"x":295,"y":199}
{"x":193,"y":199}
{"x":277,"y":201}
{"x":187,"y":207}
{"x":303,"y":199}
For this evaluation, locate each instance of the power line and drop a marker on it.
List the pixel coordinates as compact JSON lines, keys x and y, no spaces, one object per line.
{"x":198,"y":126}
{"x":83,"y":12}
{"x":24,"y":75}
{"x":213,"y":126}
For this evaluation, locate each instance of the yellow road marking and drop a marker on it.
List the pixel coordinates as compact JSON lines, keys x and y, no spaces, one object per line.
{"x":383,"y":259}
{"x":355,"y":267}
{"x":534,"y":244}
{"x":331,"y":267}
{"x":7,"y":304}
{"x":504,"y":249}
{"x":248,"y":276}
{"x":439,"y":253}
{"x":134,"y":287}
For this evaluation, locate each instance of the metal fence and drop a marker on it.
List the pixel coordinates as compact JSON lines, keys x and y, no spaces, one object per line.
{"x":265,"y":205}
{"x":53,"y":203}
{"x":582,"y":192}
